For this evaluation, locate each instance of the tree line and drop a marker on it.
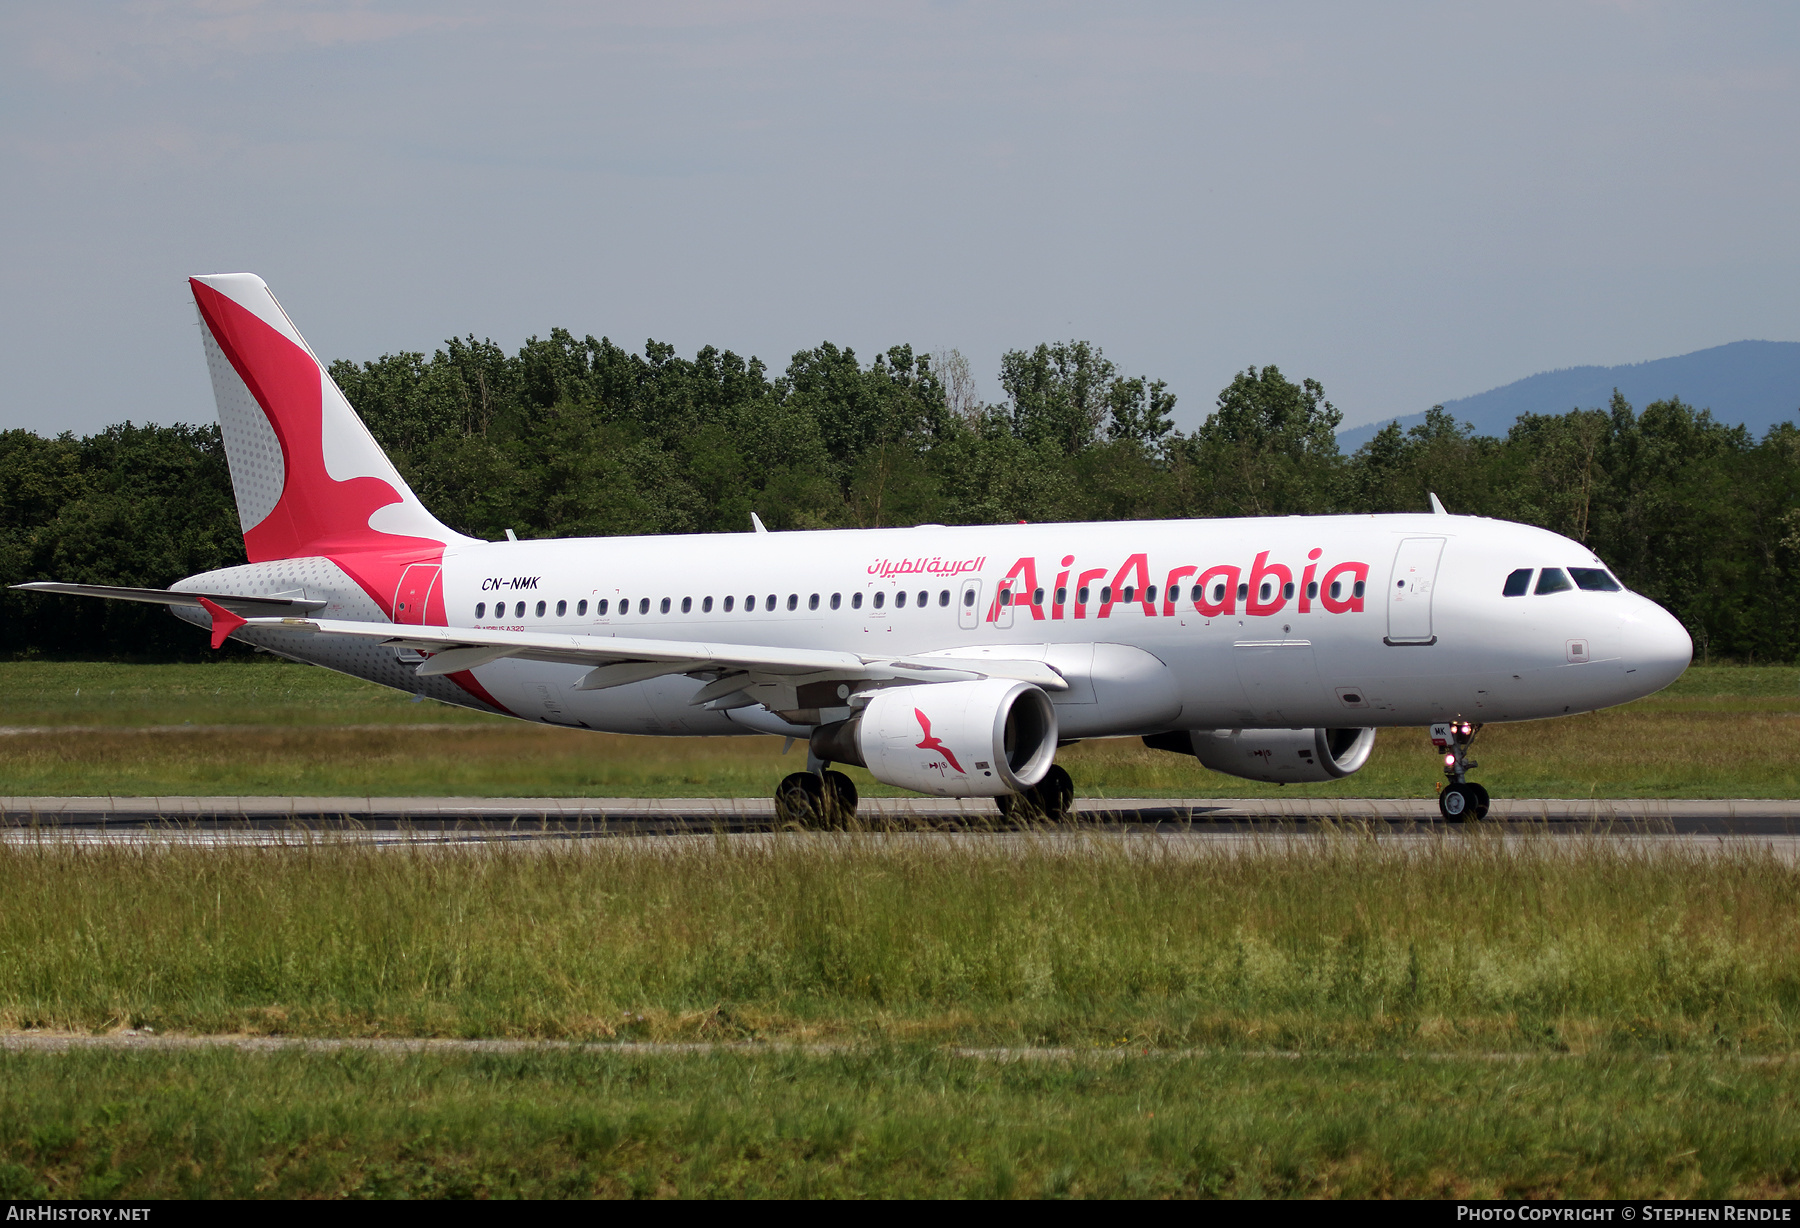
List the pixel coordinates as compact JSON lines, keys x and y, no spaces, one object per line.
{"x":573,"y":437}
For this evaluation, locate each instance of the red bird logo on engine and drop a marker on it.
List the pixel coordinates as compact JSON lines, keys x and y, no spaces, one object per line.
{"x":933,"y":743}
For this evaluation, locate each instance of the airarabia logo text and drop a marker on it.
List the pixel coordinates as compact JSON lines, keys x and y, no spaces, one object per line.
{"x":1221,"y":589}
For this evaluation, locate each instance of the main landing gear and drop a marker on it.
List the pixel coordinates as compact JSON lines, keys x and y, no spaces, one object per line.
{"x":818,"y":798}
{"x":1050,"y":800}
{"x":1460,"y":798}
{"x":822,"y":798}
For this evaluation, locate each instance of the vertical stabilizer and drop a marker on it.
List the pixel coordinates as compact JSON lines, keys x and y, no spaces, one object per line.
{"x":309,"y":478}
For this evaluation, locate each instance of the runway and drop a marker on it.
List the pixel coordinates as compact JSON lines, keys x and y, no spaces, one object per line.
{"x":471,"y":818}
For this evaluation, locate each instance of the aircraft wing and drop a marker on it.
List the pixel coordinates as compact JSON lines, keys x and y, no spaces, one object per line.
{"x":619,"y":660}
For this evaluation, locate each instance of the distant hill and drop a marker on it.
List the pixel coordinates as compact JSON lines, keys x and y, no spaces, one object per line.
{"x":1756,"y":383}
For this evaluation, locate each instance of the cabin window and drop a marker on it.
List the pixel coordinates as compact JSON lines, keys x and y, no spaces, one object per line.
{"x":769,"y":605}
{"x":1287,"y":590}
{"x":1006,"y":596}
{"x":1129,"y":594}
{"x":1356,"y":590}
{"x":750,"y":604}
{"x":581,"y":607}
{"x":837,"y":600}
{"x":924,"y":600}
{"x":944,"y":598}
{"x":812,"y":602}
{"x":1518,"y":583}
{"x":687,"y":605}
{"x":1105,"y":593}
{"x":663,"y":606}
{"x":969,"y":598}
{"x":856,"y":601}
{"x":1337,"y":589}
{"x":729,"y":602}
{"x":880,"y":597}
{"x":1312,"y":589}
{"x":1219,"y":593}
{"x":900,"y":600}
{"x":1594,"y":580}
{"x":480,"y":610}
{"x":1552,"y":580}
{"x":1266,"y":589}
{"x":1037,"y":597}
{"x":706,"y":605}
{"x":562,"y":608}
{"x":1062,"y":596}
{"x":519,"y":610}
{"x":1150,"y":594}
{"x":643,"y":605}
{"x":600,"y":607}
{"x":1243,"y":591}
{"x":540,"y":609}
{"x":793,"y":601}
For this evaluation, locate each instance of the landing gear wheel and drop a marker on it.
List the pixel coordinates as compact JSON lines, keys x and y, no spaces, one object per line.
{"x":1050,"y":800}
{"x":1482,"y":800}
{"x":839,"y":796}
{"x":1459,"y":802}
{"x":1055,"y":795}
{"x":800,"y":800}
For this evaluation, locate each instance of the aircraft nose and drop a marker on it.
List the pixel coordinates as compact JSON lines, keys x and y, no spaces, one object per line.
{"x":1657,"y":647}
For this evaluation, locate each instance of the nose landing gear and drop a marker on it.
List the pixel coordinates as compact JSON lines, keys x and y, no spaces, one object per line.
{"x":1460,"y":798}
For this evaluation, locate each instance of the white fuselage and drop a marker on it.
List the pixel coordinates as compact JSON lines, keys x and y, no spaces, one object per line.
{"x":1429,"y":638}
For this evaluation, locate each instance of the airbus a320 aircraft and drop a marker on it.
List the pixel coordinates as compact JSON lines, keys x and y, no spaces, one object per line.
{"x":948,"y":661}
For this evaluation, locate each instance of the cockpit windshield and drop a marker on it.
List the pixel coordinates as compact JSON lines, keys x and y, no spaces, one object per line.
{"x":1594,"y":580}
{"x":1552,"y":580}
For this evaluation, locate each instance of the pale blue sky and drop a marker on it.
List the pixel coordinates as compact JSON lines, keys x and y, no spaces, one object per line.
{"x":1407,"y":202}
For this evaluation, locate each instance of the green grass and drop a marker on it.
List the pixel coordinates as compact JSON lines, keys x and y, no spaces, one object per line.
{"x":1721,"y":731}
{"x":1355,"y":943}
{"x":890,"y":1122}
{"x":1347,"y":1017}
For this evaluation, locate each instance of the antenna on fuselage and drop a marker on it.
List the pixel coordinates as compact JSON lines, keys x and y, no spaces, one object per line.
{"x":1437,"y":506}
{"x":757,"y":524}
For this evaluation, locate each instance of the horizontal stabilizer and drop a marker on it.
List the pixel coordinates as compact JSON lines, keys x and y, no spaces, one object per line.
{"x":281,"y":603}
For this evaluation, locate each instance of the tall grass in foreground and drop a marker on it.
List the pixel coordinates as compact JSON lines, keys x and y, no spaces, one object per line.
{"x":891,"y":1122}
{"x":1347,"y":943}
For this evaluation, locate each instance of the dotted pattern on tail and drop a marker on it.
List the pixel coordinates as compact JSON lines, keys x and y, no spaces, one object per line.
{"x":320,"y":579}
{"x":258,"y":472}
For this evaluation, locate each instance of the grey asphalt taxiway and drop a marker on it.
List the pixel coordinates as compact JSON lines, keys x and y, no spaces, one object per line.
{"x":526,"y":817}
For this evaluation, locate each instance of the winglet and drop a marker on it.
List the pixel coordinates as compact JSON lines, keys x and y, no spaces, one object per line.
{"x":1437,"y":506}
{"x":224,"y":622}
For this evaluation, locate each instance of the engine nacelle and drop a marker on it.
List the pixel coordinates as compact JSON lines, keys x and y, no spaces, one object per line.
{"x":952,"y":739}
{"x":1280,"y":756}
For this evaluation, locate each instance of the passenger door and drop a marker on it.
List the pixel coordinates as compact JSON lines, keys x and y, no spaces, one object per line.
{"x":1409,"y":590}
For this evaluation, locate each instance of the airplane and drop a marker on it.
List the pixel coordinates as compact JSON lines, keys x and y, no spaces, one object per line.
{"x":953,"y":661}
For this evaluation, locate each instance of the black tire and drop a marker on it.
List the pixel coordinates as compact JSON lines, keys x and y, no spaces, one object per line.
{"x":1050,"y":800}
{"x":1055,"y":795}
{"x":1457,"y":802}
{"x":839,"y":796}
{"x":800,"y":800}
{"x":1482,"y":800}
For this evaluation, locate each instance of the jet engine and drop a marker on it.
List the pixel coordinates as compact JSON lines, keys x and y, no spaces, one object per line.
{"x":1281,"y":756}
{"x":984,"y":738}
